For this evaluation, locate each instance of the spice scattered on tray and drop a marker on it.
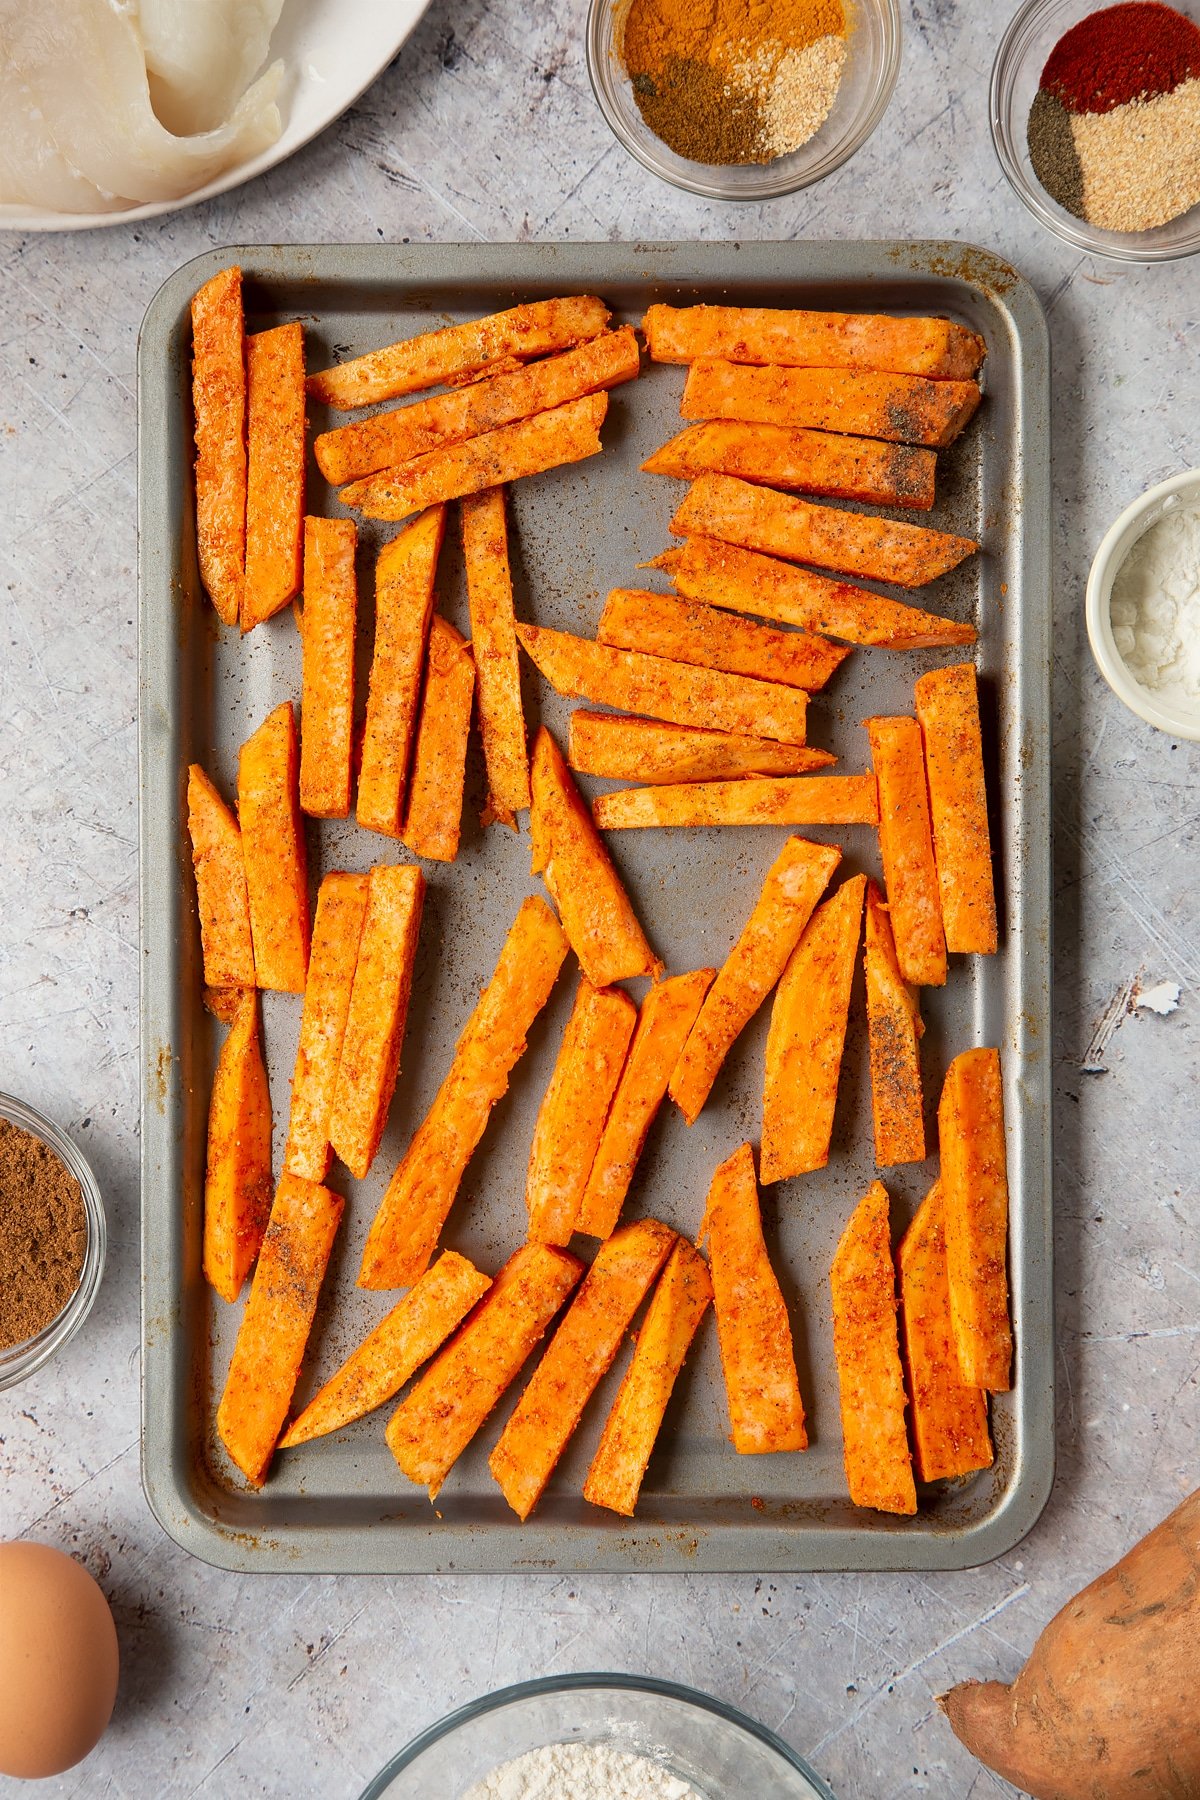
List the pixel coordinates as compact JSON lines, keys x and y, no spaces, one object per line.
{"x":43,"y":1235}
{"x":734,"y":81}
{"x":1114,"y":130}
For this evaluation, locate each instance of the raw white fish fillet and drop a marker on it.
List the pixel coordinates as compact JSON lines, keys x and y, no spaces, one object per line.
{"x":201,"y":55}
{"x":33,"y":172}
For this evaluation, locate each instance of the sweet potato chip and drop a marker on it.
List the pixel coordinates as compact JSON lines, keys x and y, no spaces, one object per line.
{"x":948,"y":709}
{"x":683,"y":631}
{"x":493,"y":631}
{"x":647,"y":750}
{"x":906,"y":846}
{"x":274,"y":471}
{"x":765,"y":334}
{"x":327,"y":642}
{"x":975,"y":1203}
{"x":894,"y":1030}
{"x":575,"y":1108}
{"x":874,"y":1440}
{"x":812,"y":462}
{"x":337,"y":931}
{"x":274,"y":850}
{"x":219,"y":406}
{"x":949,"y":1418}
{"x":404,"y":578}
{"x":433,"y":822}
{"x":237,"y":1181}
{"x":767,"y":800}
{"x":904,"y":409}
{"x":221,"y":898}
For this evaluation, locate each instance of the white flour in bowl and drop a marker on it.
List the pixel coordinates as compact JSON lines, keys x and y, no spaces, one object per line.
{"x":1155,"y":607}
{"x":581,"y":1772}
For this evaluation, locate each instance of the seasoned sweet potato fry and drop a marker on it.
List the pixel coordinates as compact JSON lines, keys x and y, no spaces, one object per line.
{"x":404,"y":578}
{"x":221,"y":898}
{"x":596,"y":912}
{"x":683,"y":631}
{"x":807,"y":1037}
{"x":275,"y":1325}
{"x":795,"y":882}
{"x":575,"y":1108}
{"x":414,"y":1208}
{"x":948,"y":709}
{"x":389,"y":438}
{"x":433,"y":820}
{"x":434,"y":357}
{"x":378,"y":1012}
{"x":766,"y":1412}
{"x":874,"y":1440}
{"x":580,"y":1353}
{"x":327,"y":642}
{"x":903,"y":409}
{"x":494,"y":634}
{"x":432,"y":1427}
{"x":812,"y":462}
{"x":767,"y":800}
{"x":414,"y":1330}
{"x":337,"y":931}
{"x":949,"y":1418}
{"x":237,"y":1181}
{"x":861,"y":544}
{"x":723,"y":575}
{"x":646,"y":750}
{"x":677,"y":692}
{"x":565,"y":434}
{"x":676,"y":1308}
{"x":763,"y":334}
{"x":219,"y":407}
{"x":894,"y":1030}
{"x":667,"y":1015}
{"x":975,"y":1201}
{"x":274,"y":850}
{"x":274,"y":471}
{"x":906,"y":846}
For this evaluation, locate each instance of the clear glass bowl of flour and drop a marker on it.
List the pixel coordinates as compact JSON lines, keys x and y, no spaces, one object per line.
{"x":697,"y":1748}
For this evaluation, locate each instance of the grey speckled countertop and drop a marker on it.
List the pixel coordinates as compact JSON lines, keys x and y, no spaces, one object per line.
{"x":485,"y":128}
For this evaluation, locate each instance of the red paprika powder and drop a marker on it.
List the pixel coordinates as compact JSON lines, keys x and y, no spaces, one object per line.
{"x":1123,"y":53}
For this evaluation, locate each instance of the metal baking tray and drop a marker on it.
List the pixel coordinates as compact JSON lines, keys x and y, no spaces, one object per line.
{"x":341,"y":1504}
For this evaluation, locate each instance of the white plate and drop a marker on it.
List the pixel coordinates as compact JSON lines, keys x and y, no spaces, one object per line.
{"x":332,"y":50}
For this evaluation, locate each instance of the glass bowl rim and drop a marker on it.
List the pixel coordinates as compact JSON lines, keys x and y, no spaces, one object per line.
{"x":550,"y":1684}
{"x":31,"y":1354}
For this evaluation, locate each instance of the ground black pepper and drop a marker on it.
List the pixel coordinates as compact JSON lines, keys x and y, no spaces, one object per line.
{"x":43,"y":1235}
{"x":689,"y":108}
{"x":1052,"y":152}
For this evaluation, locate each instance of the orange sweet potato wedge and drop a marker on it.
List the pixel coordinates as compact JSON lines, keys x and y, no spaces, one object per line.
{"x":810,"y":462}
{"x":596,"y":912}
{"x":648,"y":750}
{"x":807,"y":1037}
{"x":273,"y":1334}
{"x":936,"y":348}
{"x":677,"y":692}
{"x":794,"y":884}
{"x":948,"y":710}
{"x":575,"y":1107}
{"x":412,"y":1212}
{"x":404,"y":578}
{"x":237,"y":1181}
{"x":435,"y":357}
{"x":684,"y":631}
{"x":580,"y":1353}
{"x":894,"y":1032}
{"x":432,"y":1427}
{"x":389,"y":438}
{"x":766,"y":1412}
{"x":850,"y":543}
{"x":906,"y":846}
{"x":414,"y":1330}
{"x":679,"y":1302}
{"x":724,"y":575}
{"x":219,"y":407}
{"x":667,"y":1015}
{"x":975,"y":1201}
{"x":565,"y":434}
{"x":274,"y":851}
{"x":337,"y":931}
{"x":327,"y":642}
{"x":949,"y":1418}
{"x":494,"y":634}
{"x":433,"y":821}
{"x":902,"y":409}
{"x":221,"y":898}
{"x":378,"y":1012}
{"x":274,"y":471}
{"x":865,"y":1346}
{"x":757,"y":800}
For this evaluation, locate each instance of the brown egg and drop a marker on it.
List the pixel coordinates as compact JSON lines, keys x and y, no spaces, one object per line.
{"x":58,"y":1661}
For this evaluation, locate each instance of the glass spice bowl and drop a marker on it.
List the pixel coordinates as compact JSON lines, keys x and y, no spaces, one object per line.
{"x":868,"y":80}
{"x":1016,"y":75}
{"x":20,"y":1360}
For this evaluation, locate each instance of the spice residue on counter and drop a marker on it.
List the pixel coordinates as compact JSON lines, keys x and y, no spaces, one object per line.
{"x":43,"y":1235}
{"x":1155,"y":607}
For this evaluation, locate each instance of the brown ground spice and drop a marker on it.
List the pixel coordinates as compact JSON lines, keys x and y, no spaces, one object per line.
{"x":43,"y":1235}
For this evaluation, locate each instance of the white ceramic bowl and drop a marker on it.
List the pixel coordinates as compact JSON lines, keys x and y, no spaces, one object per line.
{"x":1118,"y":542}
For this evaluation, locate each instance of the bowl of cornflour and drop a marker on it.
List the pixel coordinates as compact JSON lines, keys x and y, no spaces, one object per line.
{"x":1143,"y":606}
{"x":597,"y":1737}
